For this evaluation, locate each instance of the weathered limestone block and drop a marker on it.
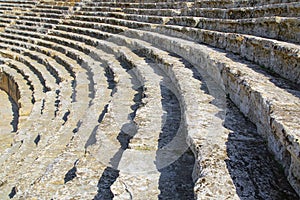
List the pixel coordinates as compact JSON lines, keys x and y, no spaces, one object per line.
{"x":184,"y":21}
{"x":210,"y":131}
{"x":283,"y":10}
{"x":133,"y":17}
{"x":20,"y":93}
{"x":160,"y":12}
{"x":263,"y":98}
{"x":280,"y":57}
{"x":235,"y":75}
{"x":236,"y":4}
{"x":59,"y":3}
{"x":285,"y":29}
{"x":8,"y":84}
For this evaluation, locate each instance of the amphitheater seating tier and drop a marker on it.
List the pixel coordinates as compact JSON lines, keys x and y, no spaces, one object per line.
{"x":158,"y":99}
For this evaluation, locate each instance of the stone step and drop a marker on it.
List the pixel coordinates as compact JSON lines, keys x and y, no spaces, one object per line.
{"x":20,"y":4}
{"x":283,"y":10}
{"x":39,"y":9}
{"x":146,"y":152}
{"x":267,"y":27}
{"x":256,"y":11}
{"x":5,"y":19}
{"x":100,"y":9}
{"x":259,"y":127}
{"x":117,"y":113}
{"x":16,"y":2}
{"x":23,"y":69}
{"x":90,"y":174}
{"x":16,"y":12}
{"x":181,"y":87}
{"x":279,"y":57}
{"x":85,"y":24}
{"x":246,"y":45}
{"x":156,"y":12}
{"x":80,"y":57}
{"x":64,"y":88}
{"x":29,"y":148}
{"x":31,"y":124}
{"x":180,"y":77}
{"x":59,"y":3}
{"x":68,"y":64}
{"x":86,"y":16}
{"x":48,"y":73}
{"x":150,"y":90}
{"x":8,"y":18}
{"x":28,"y":98}
{"x":75,"y":148}
{"x":42,"y":18}
{"x":6,"y":8}
{"x":44,"y":102}
{"x":82,"y":182}
{"x":24,"y":26}
{"x":62,"y":98}
{"x":132,"y":61}
{"x":79,"y":98}
{"x":241,"y":3}
{"x":51,"y":47}
{"x":21,"y":96}
{"x":44,"y":76}
{"x":57,"y":7}
{"x":179,"y":4}
{"x":145,"y":1}
{"x":158,"y":5}
{"x":57,"y":70}
{"x":81,"y":141}
{"x":89,"y":42}
{"x":69,"y":42}
{"x":255,"y":102}
{"x":8,"y":111}
{"x":105,"y":21}
{"x":2,"y":26}
{"x":282,"y":61}
{"x":17,"y":6}
{"x":8,"y":11}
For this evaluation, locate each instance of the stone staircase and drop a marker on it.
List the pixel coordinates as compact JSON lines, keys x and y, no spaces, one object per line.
{"x":149,"y":99}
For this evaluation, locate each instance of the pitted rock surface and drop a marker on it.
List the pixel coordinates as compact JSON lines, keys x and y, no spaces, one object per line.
{"x":149,"y":99}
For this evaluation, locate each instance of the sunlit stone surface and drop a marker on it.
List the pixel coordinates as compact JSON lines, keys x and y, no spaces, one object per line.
{"x":149,"y":99}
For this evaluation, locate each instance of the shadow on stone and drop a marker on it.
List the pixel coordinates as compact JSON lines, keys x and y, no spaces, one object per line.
{"x":109,"y":176}
{"x":272,"y":76}
{"x":12,"y":193}
{"x":15,"y":110}
{"x":71,"y":174}
{"x":255,"y":173}
{"x":175,"y":180}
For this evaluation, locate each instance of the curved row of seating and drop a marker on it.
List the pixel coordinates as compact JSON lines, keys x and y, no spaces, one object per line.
{"x":235,"y":39}
{"x":97,"y":69}
{"x":60,"y":41}
{"x":183,"y":53}
{"x":12,"y":83}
